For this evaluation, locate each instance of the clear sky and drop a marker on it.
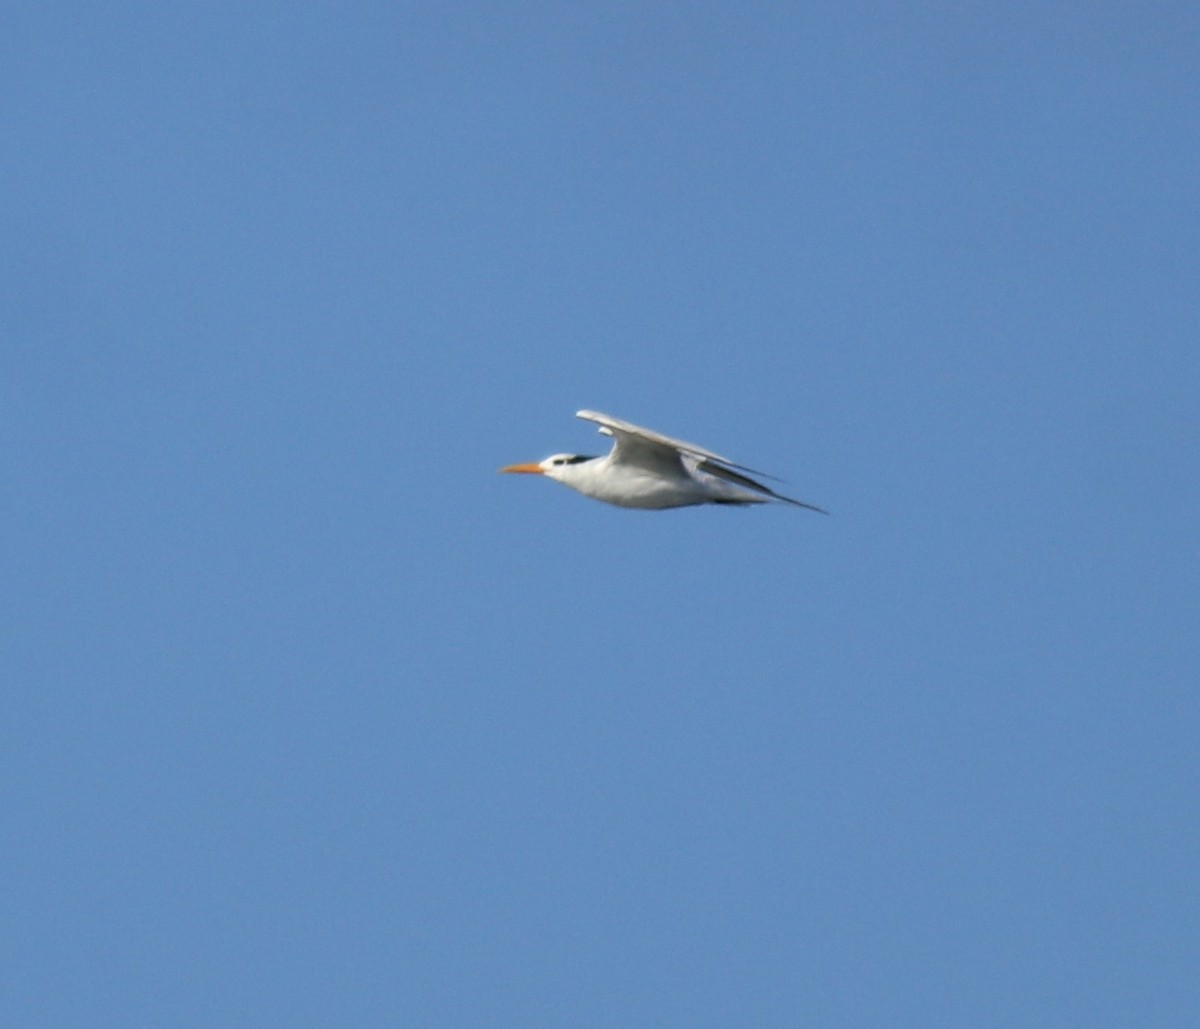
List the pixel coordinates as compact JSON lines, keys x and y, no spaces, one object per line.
{"x":311,"y":718}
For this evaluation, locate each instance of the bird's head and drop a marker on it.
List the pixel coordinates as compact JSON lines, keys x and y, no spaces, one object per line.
{"x":556,"y":466}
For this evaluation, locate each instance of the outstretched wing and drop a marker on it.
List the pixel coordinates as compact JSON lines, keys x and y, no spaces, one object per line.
{"x":641,"y":448}
{"x":644,"y":447}
{"x":629,"y":438}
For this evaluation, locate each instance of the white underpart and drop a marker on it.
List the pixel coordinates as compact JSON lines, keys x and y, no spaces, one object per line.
{"x":677,"y":483}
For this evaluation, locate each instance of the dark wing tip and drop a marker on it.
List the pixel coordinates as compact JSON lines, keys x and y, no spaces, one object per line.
{"x":801,"y":503}
{"x":721,"y":472}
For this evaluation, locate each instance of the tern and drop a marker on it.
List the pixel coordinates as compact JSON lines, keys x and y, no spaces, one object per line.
{"x":648,"y":470}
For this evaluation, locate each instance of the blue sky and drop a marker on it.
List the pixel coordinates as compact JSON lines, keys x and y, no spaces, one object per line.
{"x":310,"y":717}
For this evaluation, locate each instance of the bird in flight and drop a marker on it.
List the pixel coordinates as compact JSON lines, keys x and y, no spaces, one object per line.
{"x":647,"y":470}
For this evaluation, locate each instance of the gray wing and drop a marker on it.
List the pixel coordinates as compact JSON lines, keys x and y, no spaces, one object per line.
{"x":626,"y":432}
{"x":641,"y":447}
{"x":644,"y":447}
